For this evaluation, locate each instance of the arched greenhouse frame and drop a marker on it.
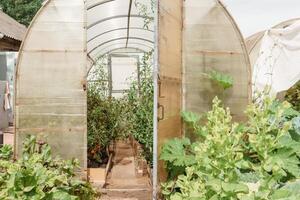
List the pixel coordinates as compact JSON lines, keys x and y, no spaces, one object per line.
{"x":64,"y":40}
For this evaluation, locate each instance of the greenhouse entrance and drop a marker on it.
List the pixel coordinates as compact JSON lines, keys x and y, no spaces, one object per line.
{"x":120,"y":97}
{"x":120,"y":113}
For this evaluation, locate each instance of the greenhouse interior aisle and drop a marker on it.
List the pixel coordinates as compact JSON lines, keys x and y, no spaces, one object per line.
{"x":123,"y":181}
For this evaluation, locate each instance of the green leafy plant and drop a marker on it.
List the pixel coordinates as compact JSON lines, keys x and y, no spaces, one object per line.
{"x":38,"y":175}
{"x":293,"y":96}
{"x":177,"y":154}
{"x":6,"y":152}
{"x":111,"y":118}
{"x":223,"y":80}
{"x":257,"y":160}
{"x":106,"y":120}
{"x":147,"y":11}
{"x":139,"y":107}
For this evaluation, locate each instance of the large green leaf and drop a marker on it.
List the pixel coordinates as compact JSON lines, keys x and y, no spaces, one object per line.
{"x":224,"y":80}
{"x":235,"y":187}
{"x":174,"y":151}
{"x":291,"y":191}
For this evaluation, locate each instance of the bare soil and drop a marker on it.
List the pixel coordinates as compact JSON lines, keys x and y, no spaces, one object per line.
{"x":123,"y":182}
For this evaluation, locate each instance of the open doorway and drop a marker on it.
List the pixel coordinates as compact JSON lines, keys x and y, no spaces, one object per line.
{"x":120,"y":95}
{"x":120,"y":120}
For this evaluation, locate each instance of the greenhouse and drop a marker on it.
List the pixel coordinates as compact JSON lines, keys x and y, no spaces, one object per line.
{"x":147,"y":99}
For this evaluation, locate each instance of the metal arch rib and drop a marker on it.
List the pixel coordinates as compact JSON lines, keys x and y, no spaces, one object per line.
{"x":121,"y":38}
{"x":122,"y":43}
{"x":118,"y":29}
{"x":105,"y":50}
{"x":115,"y":17}
{"x":128,"y":22}
{"x":120,"y":48}
{"x":133,"y":45}
{"x":98,"y":4}
{"x":111,"y":51}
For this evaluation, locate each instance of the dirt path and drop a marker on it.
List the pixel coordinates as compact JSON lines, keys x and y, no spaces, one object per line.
{"x":123,"y":183}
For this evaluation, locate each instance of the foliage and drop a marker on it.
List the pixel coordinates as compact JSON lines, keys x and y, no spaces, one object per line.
{"x":258,"y":160}
{"x":223,"y":80}
{"x":146,"y":11}
{"x":105,"y":124}
{"x":114,"y":118}
{"x":38,"y":175}
{"x":21,"y":10}
{"x":140,"y":107}
{"x":178,"y":154}
{"x":293,"y":96}
{"x":106,"y":121}
{"x":6,"y":152}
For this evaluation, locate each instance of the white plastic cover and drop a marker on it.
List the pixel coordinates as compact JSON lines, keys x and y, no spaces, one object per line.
{"x":278,"y":64}
{"x":117,"y":24}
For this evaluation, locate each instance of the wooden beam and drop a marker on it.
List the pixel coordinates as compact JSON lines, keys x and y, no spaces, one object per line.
{"x":9,"y":44}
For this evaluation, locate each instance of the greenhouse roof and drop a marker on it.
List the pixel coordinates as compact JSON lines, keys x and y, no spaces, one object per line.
{"x":118,"y":24}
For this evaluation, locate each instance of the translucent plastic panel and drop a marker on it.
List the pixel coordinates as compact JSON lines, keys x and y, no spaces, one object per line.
{"x":124,"y":71}
{"x":133,"y":43}
{"x":212,"y":41}
{"x":108,"y":22}
{"x":122,"y":41}
{"x":50,"y":86}
{"x":107,"y":38}
{"x":140,"y":33}
{"x":107,"y":27}
{"x":107,"y":10}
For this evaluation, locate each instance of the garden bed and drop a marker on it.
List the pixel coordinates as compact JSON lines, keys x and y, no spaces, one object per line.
{"x":97,"y":175}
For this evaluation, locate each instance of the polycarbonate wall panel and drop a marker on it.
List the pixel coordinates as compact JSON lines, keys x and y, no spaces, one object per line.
{"x":50,"y":83}
{"x":212,"y":41}
{"x":107,"y":10}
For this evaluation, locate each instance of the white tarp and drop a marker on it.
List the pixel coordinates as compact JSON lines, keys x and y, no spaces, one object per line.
{"x":278,"y":63}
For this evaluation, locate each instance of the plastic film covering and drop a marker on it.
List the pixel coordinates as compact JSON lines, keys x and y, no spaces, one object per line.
{"x":254,"y":42}
{"x":212,"y":41}
{"x":50,"y":80}
{"x":277,"y":64}
{"x":116,"y":24}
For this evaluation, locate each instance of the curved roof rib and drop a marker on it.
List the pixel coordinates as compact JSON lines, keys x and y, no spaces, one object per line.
{"x":111,"y":21}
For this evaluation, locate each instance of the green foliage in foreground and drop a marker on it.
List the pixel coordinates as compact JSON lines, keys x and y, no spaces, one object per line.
{"x":257,"y":160}
{"x":293,"y":96}
{"x":21,"y":10}
{"x":6,"y":152}
{"x":37,"y":175}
